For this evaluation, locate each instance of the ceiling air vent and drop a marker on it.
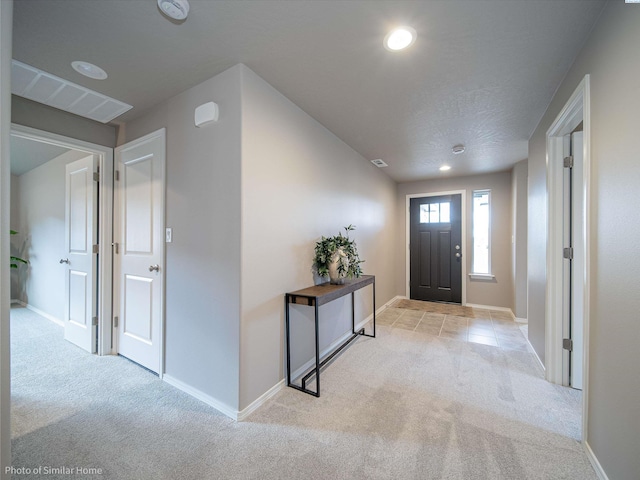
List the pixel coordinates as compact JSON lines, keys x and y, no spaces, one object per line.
{"x":42,"y":87}
{"x":378,"y":162}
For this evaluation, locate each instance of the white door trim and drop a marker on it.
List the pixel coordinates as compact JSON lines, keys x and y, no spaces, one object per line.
{"x":576,"y":109}
{"x":463,"y":208}
{"x":105,"y":155}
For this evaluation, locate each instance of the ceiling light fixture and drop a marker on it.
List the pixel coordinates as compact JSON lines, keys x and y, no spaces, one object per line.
{"x":399,"y":38}
{"x":175,"y":9}
{"x":444,"y":168}
{"x":458,"y":149}
{"x":89,"y":70}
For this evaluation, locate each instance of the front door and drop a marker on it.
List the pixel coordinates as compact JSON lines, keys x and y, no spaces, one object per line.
{"x":139,"y":253}
{"x":80,"y":261}
{"x":435,"y":248}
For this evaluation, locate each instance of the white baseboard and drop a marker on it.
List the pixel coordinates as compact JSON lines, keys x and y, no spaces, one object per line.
{"x":42,"y":313}
{"x":203,"y":397}
{"x":15,"y":300}
{"x":397,"y":297}
{"x":520,"y":320}
{"x":307,"y":365}
{"x":535,"y":354}
{"x":244,"y":413}
{"x":257,"y":403}
{"x":490,"y":307}
{"x":594,"y":462}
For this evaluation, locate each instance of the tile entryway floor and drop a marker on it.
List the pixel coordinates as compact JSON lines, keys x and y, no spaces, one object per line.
{"x":488,"y":327}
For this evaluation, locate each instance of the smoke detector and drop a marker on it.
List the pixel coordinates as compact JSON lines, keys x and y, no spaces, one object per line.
{"x":378,"y":162}
{"x":458,"y":149}
{"x":175,"y":9}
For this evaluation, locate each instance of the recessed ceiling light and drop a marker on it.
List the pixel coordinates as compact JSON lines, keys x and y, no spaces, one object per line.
{"x":457,"y":149}
{"x":399,"y":38}
{"x":89,"y":70}
{"x":176,"y":9}
{"x":444,"y":168}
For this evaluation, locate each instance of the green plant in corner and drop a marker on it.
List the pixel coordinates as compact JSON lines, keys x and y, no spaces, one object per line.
{"x":337,"y":257}
{"x":16,"y":260}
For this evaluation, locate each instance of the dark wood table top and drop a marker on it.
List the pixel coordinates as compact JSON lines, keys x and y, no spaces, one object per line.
{"x":326,"y":292}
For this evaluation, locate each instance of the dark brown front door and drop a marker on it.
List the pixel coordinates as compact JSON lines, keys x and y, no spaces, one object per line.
{"x":435,"y":249}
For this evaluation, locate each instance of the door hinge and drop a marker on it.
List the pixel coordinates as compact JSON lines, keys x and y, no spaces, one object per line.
{"x":96,"y":249}
{"x":94,"y":321}
{"x":116,"y":247}
{"x":96,"y":176}
{"x":568,"y":161}
{"x":567,"y":344}
{"x":115,"y":322}
{"x":117,"y":175}
{"x":568,"y":253}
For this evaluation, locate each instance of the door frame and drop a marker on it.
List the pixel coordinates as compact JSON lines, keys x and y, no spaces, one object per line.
{"x":576,"y":110}
{"x":463,"y":219}
{"x":105,"y":226}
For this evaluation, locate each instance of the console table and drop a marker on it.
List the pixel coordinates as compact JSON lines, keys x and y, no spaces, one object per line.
{"x":315,"y":297}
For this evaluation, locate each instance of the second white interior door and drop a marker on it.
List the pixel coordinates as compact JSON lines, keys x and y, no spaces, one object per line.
{"x":139,"y":255}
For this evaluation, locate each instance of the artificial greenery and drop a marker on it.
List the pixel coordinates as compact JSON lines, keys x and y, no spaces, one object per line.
{"x":348,"y":259}
{"x":16,"y":260}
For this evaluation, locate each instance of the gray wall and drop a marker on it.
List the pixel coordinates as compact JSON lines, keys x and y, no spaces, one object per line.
{"x":611,"y":57}
{"x":300,"y":182}
{"x":203,"y":262}
{"x":48,"y":119}
{"x":482,"y":292}
{"x":40,"y":221}
{"x":519,"y":194}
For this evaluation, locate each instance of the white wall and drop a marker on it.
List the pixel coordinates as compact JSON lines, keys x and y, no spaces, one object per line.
{"x":41,"y":237}
{"x":299,"y":182}
{"x":519,"y":192}
{"x":203,"y":262}
{"x":611,"y":57}
{"x":496,"y":293}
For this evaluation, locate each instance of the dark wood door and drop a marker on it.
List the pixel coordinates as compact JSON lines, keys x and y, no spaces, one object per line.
{"x":435,"y":248}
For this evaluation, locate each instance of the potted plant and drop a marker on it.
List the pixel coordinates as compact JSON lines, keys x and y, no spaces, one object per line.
{"x":16,"y":260}
{"x":337,"y":258}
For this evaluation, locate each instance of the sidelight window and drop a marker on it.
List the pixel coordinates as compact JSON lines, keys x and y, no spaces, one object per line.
{"x":481,"y":232}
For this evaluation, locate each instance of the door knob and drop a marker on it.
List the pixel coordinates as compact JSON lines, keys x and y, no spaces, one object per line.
{"x":153,"y":268}
{"x":458,"y":254}
{"x":64,"y":260}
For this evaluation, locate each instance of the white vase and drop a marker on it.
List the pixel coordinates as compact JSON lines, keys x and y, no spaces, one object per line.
{"x":335,"y":276}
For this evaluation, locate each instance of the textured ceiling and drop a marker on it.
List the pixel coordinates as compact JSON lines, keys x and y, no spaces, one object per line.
{"x":28,"y":154}
{"x":481,"y":73}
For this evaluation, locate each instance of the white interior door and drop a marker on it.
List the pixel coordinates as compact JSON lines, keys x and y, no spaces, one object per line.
{"x":573,"y":268}
{"x":81,"y":194}
{"x":139,"y":254}
{"x":577,"y":264}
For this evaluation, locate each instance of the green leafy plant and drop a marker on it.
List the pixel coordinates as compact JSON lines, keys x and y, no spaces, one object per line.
{"x":341,"y":248}
{"x":16,"y":260}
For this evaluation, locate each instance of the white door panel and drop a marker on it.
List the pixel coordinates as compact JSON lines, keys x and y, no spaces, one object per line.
{"x":577,"y":265}
{"x":139,"y":261}
{"x":573,"y":270}
{"x":80,"y":262}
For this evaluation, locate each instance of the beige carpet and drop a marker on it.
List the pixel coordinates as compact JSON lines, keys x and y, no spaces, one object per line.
{"x":400,"y":406}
